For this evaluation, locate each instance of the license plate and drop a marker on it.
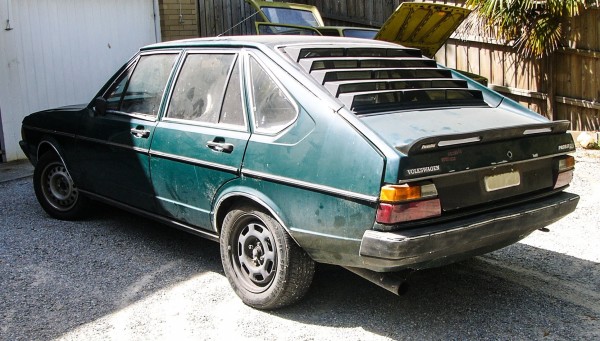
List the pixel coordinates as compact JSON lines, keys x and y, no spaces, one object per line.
{"x":502,"y":181}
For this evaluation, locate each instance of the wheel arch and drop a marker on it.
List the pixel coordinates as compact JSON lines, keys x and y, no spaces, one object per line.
{"x":239,"y":195}
{"x":49,"y":144}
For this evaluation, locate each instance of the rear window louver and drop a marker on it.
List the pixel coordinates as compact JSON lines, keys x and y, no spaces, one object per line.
{"x":369,"y":80}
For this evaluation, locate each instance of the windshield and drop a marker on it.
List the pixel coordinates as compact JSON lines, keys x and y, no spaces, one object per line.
{"x":358,"y":33}
{"x":290,"y":16}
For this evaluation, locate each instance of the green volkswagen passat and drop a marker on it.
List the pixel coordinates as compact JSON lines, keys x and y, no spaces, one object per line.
{"x":295,"y":150}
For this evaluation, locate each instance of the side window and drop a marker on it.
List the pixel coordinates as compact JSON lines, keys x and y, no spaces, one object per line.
{"x":233,"y":112}
{"x":115,"y":94}
{"x":273,"y":111}
{"x":200,"y":92}
{"x":140,"y":91}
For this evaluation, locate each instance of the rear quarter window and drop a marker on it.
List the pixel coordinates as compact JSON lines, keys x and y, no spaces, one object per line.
{"x":273,"y":110}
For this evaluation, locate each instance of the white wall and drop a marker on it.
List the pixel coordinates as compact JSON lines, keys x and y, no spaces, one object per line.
{"x":60,"y":52}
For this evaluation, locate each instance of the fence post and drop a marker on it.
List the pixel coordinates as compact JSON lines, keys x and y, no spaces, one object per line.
{"x":550,"y":87}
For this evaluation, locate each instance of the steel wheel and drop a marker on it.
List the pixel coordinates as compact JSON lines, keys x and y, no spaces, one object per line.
{"x":55,"y":190}
{"x":265,"y":267}
{"x":58,"y":188}
{"x":255,"y":259}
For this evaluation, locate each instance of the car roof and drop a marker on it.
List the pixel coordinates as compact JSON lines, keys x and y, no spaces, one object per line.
{"x":266,"y":41}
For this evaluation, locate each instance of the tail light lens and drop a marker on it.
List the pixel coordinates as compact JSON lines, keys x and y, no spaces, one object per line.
{"x":565,"y":166}
{"x":407,"y":202}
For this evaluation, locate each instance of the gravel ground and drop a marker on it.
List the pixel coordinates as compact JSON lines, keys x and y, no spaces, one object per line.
{"x":117,"y":276}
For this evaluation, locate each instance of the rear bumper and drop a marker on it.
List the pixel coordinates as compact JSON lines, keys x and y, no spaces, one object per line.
{"x":452,"y":241}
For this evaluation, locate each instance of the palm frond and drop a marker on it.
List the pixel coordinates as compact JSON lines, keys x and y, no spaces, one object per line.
{"x":536,"y":26}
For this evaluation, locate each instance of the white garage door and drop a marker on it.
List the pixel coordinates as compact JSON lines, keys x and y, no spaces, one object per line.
{"x":60,"y":52}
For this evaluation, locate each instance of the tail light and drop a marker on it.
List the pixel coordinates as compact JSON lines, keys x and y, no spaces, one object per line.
{"x":407,"y":202}
{"x":564,"y":169}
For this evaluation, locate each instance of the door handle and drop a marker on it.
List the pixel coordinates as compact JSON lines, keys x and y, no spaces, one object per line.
{"x":140,"y":132}
{"x":221,"y":147}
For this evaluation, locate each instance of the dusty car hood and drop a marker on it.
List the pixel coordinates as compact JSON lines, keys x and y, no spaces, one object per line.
{"x":420,"y":25}
{"x":402,"y":129}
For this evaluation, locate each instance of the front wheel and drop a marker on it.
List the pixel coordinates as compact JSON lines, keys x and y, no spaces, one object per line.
{"x":55,"y":190}
{"x":265,"y":267}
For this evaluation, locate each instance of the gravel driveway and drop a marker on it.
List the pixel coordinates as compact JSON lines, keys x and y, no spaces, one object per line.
{"x":118,"y":276}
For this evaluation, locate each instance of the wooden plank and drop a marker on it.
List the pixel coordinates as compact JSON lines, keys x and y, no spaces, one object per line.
{"x":378,"y":14}
{"x":201,"y":18}
{"x":588,"y":78}
{"x":497,"y":71}
{"x":485,"y":63}
{"x":525,"y":93}
{"x":227,"y":12}
{"x":218,"y":17}
{"x":596,"y":42}
{"x":510,"y":69}
{"x":473,"y":58}
{"x":209,"y":18}
{"x":462,"y":62}
{"x":365,"y":9}
{"x":521,"y":73}
{"x":576,"y":71}
{"x":451,"y":55}
{"x":350,"y":10}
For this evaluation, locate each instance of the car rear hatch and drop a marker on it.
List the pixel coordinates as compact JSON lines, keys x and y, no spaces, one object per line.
{"x":421,"y":25}
{"x":475,"y":156}
{"x":443,"y":131}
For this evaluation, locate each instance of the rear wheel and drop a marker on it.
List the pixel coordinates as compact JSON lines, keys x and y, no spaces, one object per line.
{"x":55,"y":190}
{"x":265,"y":267}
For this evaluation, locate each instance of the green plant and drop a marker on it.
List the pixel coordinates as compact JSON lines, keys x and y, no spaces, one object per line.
{"x":537,"y":27}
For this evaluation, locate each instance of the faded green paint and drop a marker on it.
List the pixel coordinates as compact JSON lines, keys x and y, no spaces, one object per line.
{"x":185,"y":190}
{"x":321,"y":174}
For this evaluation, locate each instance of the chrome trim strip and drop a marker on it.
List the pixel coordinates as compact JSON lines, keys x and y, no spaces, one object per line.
{"x":324,"y":235}
{"x":308,"y":185}
{"x":49,"y":131}
{"x":90,"y":139}
{"x":193,"y":161}
{"x":181,"y":204}
{"x":43,"y":142}
{"x":113,"y":144}
{"x":176,"y":224}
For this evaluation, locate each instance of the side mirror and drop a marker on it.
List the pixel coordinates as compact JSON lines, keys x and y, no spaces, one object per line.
{"x":100,"y":106}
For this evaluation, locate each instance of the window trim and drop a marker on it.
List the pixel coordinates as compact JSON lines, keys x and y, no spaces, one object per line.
{"x":132,"y":65}
{"x":238,"y":58}
{"x":250,"y":91}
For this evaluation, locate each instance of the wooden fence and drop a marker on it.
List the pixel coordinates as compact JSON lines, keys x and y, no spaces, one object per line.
{"x":563,"y":86}
{"x":225,"y":17}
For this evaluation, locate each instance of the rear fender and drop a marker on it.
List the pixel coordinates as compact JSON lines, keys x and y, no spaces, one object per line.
{"x":235,"y":194}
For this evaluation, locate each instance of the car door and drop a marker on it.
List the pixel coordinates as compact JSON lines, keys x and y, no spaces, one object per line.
{"x":115,"y":144}
{"x":200,"y":142}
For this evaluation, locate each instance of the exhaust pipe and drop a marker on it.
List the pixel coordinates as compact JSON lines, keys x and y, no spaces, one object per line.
{"x":394,"y":282}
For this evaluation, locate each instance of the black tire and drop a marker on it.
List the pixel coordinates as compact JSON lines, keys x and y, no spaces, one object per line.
{"x":55,"y":190}
{"x":263,"y":264}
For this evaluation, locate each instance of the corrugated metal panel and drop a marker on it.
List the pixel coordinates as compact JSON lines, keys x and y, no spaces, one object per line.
{"x":61,"y":52}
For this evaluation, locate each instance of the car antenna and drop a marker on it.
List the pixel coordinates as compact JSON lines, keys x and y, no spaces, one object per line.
{"x":239,"y":23}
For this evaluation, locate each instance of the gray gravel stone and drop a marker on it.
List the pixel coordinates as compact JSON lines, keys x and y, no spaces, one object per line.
{"x":118,"y":276}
